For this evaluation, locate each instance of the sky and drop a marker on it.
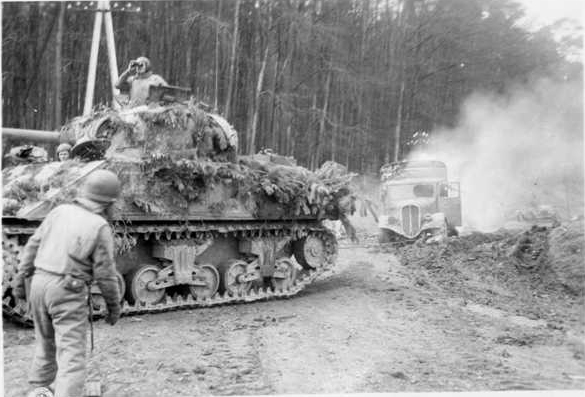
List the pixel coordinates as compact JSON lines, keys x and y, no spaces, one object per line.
{"x":548,"y":11}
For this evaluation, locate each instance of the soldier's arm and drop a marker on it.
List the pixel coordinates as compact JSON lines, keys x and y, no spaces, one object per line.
{"x":124,"y":81}
{"x":26,"y":266}
{"x":104,"y":269}
{"x":159,"y":80}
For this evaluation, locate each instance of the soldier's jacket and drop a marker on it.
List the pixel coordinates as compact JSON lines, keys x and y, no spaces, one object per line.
{"x":68,"y":241}
{"x":138,"y":87}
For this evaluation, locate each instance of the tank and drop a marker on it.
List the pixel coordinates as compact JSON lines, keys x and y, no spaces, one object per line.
{"x":196,"y":225}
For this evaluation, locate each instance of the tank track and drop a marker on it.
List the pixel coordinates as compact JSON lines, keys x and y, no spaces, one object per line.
{"x":16,"y":313}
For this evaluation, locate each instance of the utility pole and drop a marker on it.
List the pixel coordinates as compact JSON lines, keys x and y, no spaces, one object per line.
{"x":103,"y":13}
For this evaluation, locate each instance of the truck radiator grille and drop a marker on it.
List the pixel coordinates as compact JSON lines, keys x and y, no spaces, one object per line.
{"x":411,"y":220}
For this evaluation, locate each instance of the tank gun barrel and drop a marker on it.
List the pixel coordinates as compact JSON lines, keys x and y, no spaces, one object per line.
{"x":32,"y":135}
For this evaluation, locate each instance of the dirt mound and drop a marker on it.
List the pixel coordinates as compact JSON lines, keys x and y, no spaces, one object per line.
{"x":486,"y":247}
{"x":531,"y":273}
{"x":543,"y":259}
{"x":566,"y":255}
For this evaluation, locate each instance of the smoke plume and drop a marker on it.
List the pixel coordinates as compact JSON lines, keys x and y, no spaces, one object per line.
{"x":515,"y":151}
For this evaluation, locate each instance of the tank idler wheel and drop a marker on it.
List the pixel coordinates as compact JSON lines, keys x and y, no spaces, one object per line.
{"x":138,"y":285}
{"x":310,"y":252}
{"x":210,"y":276}
{"x":285,"y":274}
{"x":234,"y":278}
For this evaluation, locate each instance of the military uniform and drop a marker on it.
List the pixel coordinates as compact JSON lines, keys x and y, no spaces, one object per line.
{"x":140,"y":85}
{"x":72,"y":246}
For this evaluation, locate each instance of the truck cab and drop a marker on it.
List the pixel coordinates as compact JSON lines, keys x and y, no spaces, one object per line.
{"x":418,"y":201}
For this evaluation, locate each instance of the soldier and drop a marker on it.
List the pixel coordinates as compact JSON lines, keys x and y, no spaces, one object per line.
{"x":136,"y":81}
{"x":72,"y":246}
{"x":64,"y":152}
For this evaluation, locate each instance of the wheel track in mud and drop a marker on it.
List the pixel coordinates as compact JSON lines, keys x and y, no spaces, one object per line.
{"x":16,"y":310}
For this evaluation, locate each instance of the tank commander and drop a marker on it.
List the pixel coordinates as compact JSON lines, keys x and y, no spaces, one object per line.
{"x":136,"y":81}
{"x":73,"y":246}
{"x":64,"y":152}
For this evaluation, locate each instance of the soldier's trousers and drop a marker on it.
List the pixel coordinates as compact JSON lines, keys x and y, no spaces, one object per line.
{"x":61,"y":320}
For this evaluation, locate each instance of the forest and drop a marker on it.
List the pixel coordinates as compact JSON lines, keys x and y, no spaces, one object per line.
{"x":352,"y":81}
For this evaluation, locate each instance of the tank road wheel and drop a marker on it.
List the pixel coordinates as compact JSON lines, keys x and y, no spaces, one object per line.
{"x":310,"y":252}
{"x":121,"y":285}
{"x":285,"y":274}
{"x":209,"y":275}
{"x":233,"y":278}
{"x":138,"y":289}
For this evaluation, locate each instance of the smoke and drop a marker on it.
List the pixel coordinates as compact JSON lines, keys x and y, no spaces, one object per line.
{"x":515,"y":151}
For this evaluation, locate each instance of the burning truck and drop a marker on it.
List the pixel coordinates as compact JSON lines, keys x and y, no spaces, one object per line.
{"x":418,"y":202}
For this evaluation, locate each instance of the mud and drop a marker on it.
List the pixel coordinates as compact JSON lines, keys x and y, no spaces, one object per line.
{"x":466,"y":319}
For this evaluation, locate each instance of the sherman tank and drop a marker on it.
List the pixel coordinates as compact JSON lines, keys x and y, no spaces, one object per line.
{"x":196,"y":225}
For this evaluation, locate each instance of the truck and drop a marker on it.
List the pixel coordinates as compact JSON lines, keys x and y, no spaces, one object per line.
{"x":418,"y":202}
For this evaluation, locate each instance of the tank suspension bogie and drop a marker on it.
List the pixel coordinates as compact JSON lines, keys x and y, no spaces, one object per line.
{"x":285,"y":274}
{"x":202,"y":280}
{"x":265,"y":249}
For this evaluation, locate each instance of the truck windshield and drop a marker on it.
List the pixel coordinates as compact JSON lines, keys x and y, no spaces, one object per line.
{"x":406,"y":192}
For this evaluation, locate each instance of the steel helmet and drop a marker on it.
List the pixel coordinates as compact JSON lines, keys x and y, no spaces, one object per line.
{"x":102,"y":186}
{"x":64,"y":147}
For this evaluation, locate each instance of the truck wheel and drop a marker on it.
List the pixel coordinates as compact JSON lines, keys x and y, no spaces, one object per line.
{"x":451,"y":230}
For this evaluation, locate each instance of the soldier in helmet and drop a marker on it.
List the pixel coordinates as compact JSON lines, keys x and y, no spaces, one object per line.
{"x":73,"y":246}
{"x":136,"y":81}
{"x":64,"y":152}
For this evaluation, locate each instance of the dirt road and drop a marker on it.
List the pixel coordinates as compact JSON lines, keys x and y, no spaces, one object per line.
{"x":375,"y":325}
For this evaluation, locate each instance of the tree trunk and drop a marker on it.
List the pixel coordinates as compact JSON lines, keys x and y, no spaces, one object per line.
{"x":398,"y":128}
{"x":274,"y":132}
{"x":233,"y":60}
{"x":257,"y":104}
{"x":312,"y":135}
{"x":37,"y":55}
{"x":216,"y":65}
{"x":58,"y":67}
{"x":321,"y":133}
